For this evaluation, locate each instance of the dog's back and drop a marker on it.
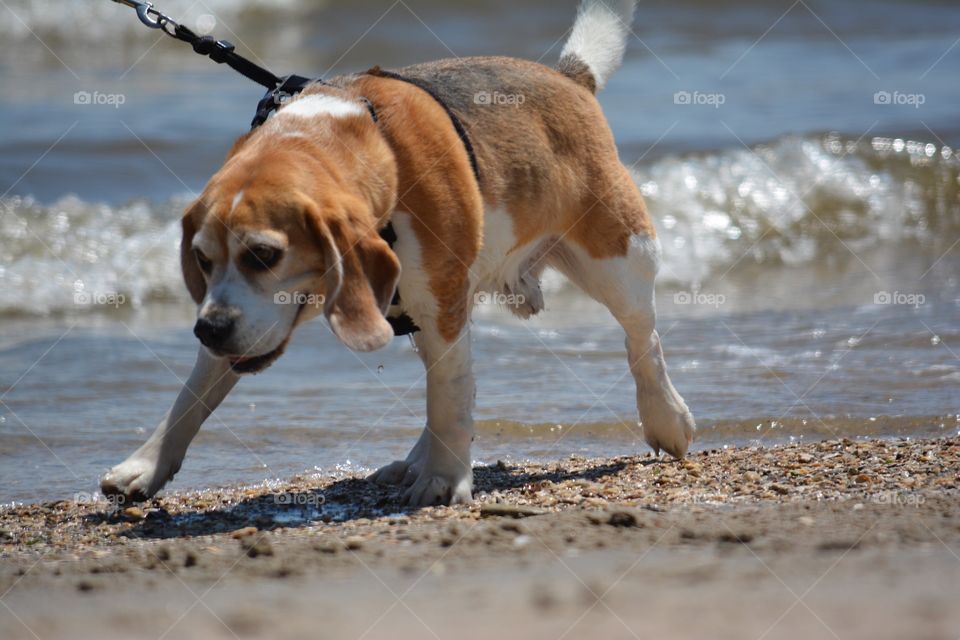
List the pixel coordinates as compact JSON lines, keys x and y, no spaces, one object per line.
{"x":533,"y":126}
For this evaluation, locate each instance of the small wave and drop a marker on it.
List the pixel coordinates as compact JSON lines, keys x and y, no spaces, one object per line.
{"x":74,"y":256}
{"x":793,"y":202}
{"x":797,"y":199}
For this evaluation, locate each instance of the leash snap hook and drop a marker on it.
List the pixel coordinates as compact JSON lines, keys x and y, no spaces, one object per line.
{"x":143,"y":10}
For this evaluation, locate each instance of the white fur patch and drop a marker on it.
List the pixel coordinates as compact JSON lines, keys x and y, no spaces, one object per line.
{"x":320,"y":104}
{"x":490,"y":270}
{"x":504,"y":274}
{"x":415,"y":292}
{"x":624,"y":284}
{"x":599,"y":36}
{"x":236,"y":200}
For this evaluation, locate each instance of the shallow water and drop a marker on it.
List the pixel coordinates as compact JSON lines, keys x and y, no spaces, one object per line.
{"x":810,"y":280}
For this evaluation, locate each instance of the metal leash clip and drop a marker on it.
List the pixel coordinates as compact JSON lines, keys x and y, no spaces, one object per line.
{"x":143,"y":12}
{"x":146,"y":13}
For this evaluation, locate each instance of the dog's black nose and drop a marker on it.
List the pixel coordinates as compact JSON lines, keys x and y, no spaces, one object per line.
{"x":213,"y":331}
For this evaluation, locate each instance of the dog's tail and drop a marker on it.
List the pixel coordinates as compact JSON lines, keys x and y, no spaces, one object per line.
{"x":597,"y":42}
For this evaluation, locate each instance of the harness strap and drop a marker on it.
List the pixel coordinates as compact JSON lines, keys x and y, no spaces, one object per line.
{"x":402,"y":324}
{"x":457,"y":124}
{"x":278,"y":94}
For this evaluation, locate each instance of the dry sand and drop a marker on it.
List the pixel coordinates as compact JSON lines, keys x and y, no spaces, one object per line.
{"x":836,"y":539}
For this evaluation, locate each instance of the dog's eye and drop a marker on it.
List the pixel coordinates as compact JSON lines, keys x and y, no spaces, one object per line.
{"x":203,"y":261}
{"x":262,"y":257}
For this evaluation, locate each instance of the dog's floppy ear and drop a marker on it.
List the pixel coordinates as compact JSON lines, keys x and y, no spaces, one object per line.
{"x":196,"y":284}
{"x":361,"y":275}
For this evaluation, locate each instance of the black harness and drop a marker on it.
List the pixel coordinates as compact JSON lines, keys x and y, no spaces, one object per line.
{"x":281,"y":89}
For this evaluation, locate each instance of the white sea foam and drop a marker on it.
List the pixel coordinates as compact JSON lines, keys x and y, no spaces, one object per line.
{"x":787,"y":203}
{"x":74,"y":256}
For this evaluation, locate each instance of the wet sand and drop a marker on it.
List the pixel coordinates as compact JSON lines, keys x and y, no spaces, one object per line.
{"x":830,"y":539}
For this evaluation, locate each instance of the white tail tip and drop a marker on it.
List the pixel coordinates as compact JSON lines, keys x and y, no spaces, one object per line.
{"x":599,"y":36}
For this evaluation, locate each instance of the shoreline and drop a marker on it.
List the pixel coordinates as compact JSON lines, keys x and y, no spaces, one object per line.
{"x":868,"y":525}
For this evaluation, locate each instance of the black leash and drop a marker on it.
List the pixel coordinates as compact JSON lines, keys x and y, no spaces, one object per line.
{"x":279,"y":88}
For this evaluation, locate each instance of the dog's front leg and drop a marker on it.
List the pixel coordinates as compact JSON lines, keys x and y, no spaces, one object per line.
{"x":150,"y":467}
{"x":444,"y":475}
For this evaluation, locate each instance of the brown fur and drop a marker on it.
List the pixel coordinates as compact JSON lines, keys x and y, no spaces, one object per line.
{"x":436,"y":186}
{"x":192,"y":275}
{"x":578,"y":71}
{"x":550,"y":162}
{"x":356,"y":301}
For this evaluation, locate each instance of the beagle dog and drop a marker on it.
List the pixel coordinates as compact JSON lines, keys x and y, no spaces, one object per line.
{"x":486,"y":171}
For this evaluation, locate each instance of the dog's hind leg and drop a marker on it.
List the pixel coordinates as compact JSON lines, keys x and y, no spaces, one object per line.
{"x":624,"y":284}
{"x":141,"y":475}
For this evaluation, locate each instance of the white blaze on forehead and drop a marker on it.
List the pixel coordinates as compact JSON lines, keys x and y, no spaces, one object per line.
{"x":321,"y":104}
{"x":236,"y":200}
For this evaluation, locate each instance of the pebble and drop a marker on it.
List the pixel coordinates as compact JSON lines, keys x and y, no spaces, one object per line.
{"x":354,"y":543}
{"x":255,"y":546}
{"x":508,"y":511}
{"x":623,"y":519}
{"x":133,"y":513}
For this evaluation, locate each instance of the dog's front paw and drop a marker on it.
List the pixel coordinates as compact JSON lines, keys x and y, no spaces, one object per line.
{"x":670,"y":430}
{"x":398,"y":472}
{"x":137,"y":479}
{"x":440,"y":489}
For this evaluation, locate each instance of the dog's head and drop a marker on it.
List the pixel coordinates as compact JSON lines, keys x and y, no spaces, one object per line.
{"x":280,"y":236}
